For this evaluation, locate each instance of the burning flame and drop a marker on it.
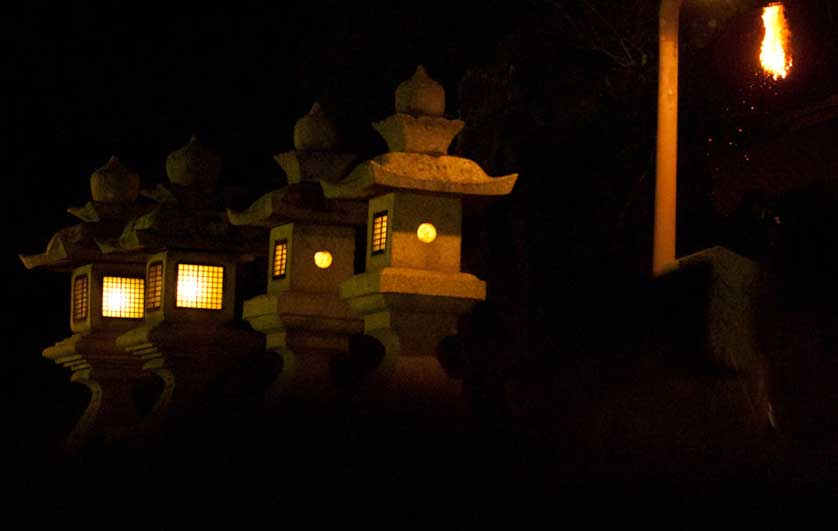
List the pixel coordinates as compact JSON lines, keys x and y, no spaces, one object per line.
{"x":775,"y":60}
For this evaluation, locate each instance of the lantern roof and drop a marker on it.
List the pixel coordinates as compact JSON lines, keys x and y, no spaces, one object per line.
{"x":418,"y":137}
{"x":168,"y":226}
{"x":444,"y":175}
{"x":114,"y":189}
{"x":292,"y":203}
{"x":76,"y":245}
{"x":189,"y":211}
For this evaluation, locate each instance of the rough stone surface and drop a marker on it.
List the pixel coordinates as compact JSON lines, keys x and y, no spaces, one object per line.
{"x":167,"y":226}
{"x":114,"y":183}
{"x":307,"y":166}
{"x":420,"y":95}
{"x":731,"y":285}
{"x":96,"y":212}
{"x":415,"y":282}
{"x":193,"y":165}
{"x":415,"y":171}
{"x":283,"y":205}
{"x":423,"y":134}
{"x":76,"y":245}
{"x":410,"y":311}
{"x":315,"y":131}
{"x":303,"y":240}
{"x":406,"y":212}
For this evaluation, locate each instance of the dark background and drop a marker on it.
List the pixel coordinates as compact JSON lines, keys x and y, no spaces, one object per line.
{"x":562,"y":92}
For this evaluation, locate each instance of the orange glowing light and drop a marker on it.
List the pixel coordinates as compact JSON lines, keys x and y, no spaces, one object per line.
{"x":200,"y":286}
{"x":426,"y":232}
{"x":775,"y":59}
{"x":323,"y":259}
{"x":122,"y":297}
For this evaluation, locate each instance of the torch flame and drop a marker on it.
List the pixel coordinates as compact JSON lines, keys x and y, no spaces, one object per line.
{"x":775,"y":60}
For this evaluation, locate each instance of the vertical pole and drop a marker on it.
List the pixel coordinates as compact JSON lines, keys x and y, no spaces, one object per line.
{"x":663,"y":257}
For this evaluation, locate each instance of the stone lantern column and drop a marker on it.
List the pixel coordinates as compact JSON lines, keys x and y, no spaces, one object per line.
{"x":106,"y":300}
{"x":191,"y":336}
{"x":311,"y":251}
{"x":413,"y":293}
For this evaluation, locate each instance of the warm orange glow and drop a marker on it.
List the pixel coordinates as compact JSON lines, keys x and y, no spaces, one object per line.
{"x":426,"y":232}
{"x":154,"y":286}
{"x":122,"y":297}
{"x":323,"y":259}
{"x":80,"y":298}
{"x":280,"y":258}
{"x":379,"y":232}
{"x":774,"y":55}
{"x":199,"y":286}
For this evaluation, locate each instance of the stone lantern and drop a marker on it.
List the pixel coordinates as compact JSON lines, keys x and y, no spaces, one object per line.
{"x":413,"y":292}
{"x":190,"y":335}
{"x":311,"y":250}
{"x":107,"y":299}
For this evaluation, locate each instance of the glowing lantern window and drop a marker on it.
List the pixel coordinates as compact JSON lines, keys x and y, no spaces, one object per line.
{"x":199,"y":286}
{"x":323,"y":259}
{"x":80,"y":298}
{"x":122,"y":297}
{"x":379,"y":232}
{"x":154,"y":287}
{"x":426,"y":232}
{"x":280,"y":258}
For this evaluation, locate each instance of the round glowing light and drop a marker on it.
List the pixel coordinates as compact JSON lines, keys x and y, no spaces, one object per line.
{"x":322,"y":259}
{"x":426,"y":232}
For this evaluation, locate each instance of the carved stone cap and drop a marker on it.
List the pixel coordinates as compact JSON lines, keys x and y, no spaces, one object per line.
{"x":114,"y":183}
{"x":193,"y":164}
{"x":420,"y":95}
{"x":423,"y":134}
{"x":315,"y":131}
{"x":311,"y":166}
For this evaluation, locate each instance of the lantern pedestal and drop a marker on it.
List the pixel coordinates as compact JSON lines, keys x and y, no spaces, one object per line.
{"x":307,"y":330}
{"x":113,"y":378}
{"x":410,"y":311}
{"x":195,"y":364}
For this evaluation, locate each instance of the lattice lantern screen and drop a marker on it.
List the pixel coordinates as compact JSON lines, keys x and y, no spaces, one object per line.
{"x":80,"y":297}
{"x":154,"y":286}
{"x":199,"y":286}
{"x":122,"y":297}
{"x":379,"y":232}
{"x":280,"y":259}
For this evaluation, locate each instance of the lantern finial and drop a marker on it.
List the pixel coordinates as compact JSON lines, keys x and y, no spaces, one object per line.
{"x":193,"y":164}
{"x":315,"y":131}
{"x":114,"y":183}
{"x":420,"y":95}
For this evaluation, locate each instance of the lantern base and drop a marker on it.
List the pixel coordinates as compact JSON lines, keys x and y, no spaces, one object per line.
{"x":115,"y":380}
{"x":410,"y":312}
{"x":196,"y":364}
{"x":307,"y":330}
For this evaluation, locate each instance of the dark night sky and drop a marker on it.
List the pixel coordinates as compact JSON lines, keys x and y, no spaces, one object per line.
{"x":83,"y":83}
